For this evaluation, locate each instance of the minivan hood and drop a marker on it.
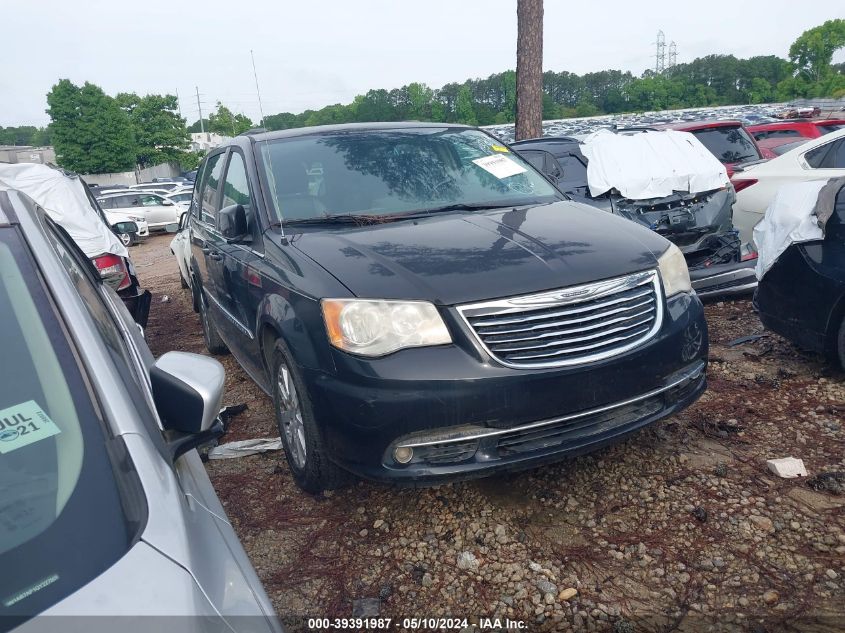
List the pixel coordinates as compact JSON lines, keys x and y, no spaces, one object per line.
{"x":454,"y":258}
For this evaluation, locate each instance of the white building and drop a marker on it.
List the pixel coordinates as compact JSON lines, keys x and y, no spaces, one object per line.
{"x":204,"y":141}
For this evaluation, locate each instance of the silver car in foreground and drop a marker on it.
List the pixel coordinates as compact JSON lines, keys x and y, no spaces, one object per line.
{"x":105,"y":507}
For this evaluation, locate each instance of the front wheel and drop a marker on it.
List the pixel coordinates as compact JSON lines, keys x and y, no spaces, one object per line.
{"x":126,"y":239}
{"x":840,"y":344}
{"x":301,"y":439}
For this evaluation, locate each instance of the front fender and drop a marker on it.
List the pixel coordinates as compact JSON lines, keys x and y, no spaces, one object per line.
{"x":298,"y":321}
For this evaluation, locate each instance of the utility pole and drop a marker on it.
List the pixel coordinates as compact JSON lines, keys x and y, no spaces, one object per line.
{"x":178,"y":103}
{"x":199,"y":107}
{"x":529,"y":69}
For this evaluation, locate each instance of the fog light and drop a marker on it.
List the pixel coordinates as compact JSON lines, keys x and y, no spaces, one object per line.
{"x":403,"y":454}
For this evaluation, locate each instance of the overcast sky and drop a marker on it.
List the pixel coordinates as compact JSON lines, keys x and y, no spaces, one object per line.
{"x":311,"y":53}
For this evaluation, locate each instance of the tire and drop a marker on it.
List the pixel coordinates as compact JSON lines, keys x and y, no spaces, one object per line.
{"x":301,"y":438}
{"x":213,"y":343}
{"x":126,"y":238}
{"x":840,"y":344}
{"x":185,"y":285}
{"x":195,"y":302}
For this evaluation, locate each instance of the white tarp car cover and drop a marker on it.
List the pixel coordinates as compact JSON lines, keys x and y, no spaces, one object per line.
{"x":790,"y":219}
{"x":650,"y":164}
{"x":63,"y":197}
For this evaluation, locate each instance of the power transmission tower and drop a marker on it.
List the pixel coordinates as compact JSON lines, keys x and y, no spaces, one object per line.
{"x":660,"y":56}
{"x":673,"y":54}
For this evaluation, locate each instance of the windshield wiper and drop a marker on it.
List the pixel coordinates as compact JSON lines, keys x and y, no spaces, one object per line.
{"x":339,"y":218}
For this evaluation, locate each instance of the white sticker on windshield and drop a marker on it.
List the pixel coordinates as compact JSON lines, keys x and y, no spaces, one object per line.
{"x":500,"y":166}
{"x":24,"y":424}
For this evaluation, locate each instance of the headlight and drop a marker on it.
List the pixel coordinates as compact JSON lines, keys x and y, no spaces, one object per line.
{"x":378,"y":327}
{"x":674,"y":271}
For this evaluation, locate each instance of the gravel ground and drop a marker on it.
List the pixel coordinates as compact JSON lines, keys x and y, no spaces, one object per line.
{"x":679,"y":528}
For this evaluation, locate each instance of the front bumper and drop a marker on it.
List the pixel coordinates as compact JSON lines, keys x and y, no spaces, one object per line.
{"x":724,"y":279}
{"x":465,"y":415}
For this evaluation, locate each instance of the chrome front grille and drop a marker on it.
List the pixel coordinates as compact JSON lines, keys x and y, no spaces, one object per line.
{"x":569,"y":326}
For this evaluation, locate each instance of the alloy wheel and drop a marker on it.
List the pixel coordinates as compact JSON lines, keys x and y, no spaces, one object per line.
{"x":293,"y":425}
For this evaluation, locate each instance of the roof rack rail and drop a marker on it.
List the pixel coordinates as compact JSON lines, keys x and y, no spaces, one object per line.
{"x":254,"y":130}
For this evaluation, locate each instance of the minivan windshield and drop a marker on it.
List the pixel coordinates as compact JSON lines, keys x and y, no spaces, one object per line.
{"x":385,"y":172}
{"x":61,"y":518}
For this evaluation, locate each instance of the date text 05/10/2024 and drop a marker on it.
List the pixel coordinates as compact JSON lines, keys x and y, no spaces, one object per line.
{"x":412,"y":624}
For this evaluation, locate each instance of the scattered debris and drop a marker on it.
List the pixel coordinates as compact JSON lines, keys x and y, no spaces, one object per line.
{"x":468,"y":561}
{"x":567,"y":594}
{"x":699,"y":513}
{"x":366,"y":608}
{"x":745,"y":339}
{"x":229,"y":412}
{"x":833,"y":482}
{"x":242,"y":448}
{"x":164,"y":298}
{"x":787,"y":467}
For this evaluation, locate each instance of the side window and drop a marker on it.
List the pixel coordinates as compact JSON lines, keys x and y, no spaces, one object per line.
{"x":103,"y":319}
{"x":208,"y":196}
{"x":107,"y":203}
{"x":236,"y":186}
{"x":536,"y":159}
{"x":836,"y":158}
{"x":150,"y":200}
{"x":821,"y":157}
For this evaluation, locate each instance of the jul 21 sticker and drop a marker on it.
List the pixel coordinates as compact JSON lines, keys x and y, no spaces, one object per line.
{"x":500,"y":166}
{"x":24,"y":424}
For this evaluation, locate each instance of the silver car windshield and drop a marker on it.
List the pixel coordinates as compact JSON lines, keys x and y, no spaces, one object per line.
{"x":396,"y":171}
{"x":61,"y":517}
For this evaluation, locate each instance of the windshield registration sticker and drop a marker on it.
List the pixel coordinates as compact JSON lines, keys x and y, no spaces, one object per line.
{"x":24,"y":424}
{"x":499,"y":148}
{"x":500,"y":166}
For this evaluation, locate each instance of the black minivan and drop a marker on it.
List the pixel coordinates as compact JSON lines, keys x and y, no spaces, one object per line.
{"x":422,"y":304}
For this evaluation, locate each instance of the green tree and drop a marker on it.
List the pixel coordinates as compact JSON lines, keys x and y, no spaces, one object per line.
{"x":419,"y":101}
{"x":225,"y":122}
{"x":90,"y":132}
{"x":160,"y":133}
{"x":196,"y":126}
{"x":463,"y":107}
{"x":813,"y":51}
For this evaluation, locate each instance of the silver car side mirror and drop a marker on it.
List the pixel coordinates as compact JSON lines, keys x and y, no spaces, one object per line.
{"x":188,"y":391}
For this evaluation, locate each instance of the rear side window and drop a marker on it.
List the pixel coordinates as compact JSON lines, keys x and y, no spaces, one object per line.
{"x":62,"y":523}
{"x":730,"y":144}
{"x":107,"y":203}
{"x":211,"y":183}
{"x":828,"y":156}
{"x":827,"y":129}
{"x":777,"y":134}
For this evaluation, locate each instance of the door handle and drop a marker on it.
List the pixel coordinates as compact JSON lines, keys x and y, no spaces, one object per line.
{"x":206,"y":250}
{"x":216,"y":256}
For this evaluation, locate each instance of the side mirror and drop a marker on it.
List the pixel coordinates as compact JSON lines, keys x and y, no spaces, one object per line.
{"x":125,"y":227}
{"x":172,"y":227}
{"x":231,"y":222}
{"x":167,"y":203}
{"x":188,"y":390}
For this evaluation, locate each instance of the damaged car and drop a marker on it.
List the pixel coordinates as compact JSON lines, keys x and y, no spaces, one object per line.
{"x":67,"y":199}
{"x":666,"y":181}
{"x":801,"y":266}
{"x":423,"y":305}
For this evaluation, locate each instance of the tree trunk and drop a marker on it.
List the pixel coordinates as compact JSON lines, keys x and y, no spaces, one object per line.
{"x":529,"y":69}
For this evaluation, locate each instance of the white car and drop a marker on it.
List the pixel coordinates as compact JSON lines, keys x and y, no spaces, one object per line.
{"x":182,"y":198}
{"x":757,"y":184}
{"x":128,"y":238}
{"x":158,"y":210}
{"x":180,"y":246}
{"x":156,"y":186}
